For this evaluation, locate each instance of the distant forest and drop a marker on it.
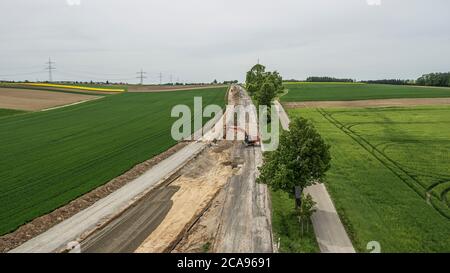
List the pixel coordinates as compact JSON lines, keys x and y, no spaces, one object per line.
{"x":327,"y":79}
{"x":431,"y":79}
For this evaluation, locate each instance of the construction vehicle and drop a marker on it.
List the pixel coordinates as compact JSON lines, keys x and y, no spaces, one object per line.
{"x":248,"y":140}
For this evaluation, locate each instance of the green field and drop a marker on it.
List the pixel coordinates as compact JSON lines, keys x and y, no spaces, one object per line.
{"x":9,"y":112}
{"x":356,"y":91}
{"x":390,"y":176}
{"x":50,"y":158}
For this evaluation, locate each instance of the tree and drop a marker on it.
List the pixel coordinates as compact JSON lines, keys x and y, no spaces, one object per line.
{"x":266,"y":94}
{"x":302,"y":159}
{"x":255,"y":79}
{"x":263,"y":86}
{"x":306,"y":210}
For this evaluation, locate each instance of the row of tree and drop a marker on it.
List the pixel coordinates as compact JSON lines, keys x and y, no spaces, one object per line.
{"x":302,"y":157}
{"x":431,"y":79}
{"x":263,"y":85}
{"x":434,"y":79}
{"x":390,"y":81}
{"x":327,"y":79}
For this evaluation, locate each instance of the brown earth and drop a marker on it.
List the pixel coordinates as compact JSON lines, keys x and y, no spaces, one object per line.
{"x":368,"y":103}
{"x":160,"y":88}
{"x":44,"y":223}
{"x":197,"y":187}
{"x":32,"y":100}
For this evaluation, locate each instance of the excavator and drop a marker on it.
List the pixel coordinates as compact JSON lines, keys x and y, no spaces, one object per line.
{"x":248,"y":140}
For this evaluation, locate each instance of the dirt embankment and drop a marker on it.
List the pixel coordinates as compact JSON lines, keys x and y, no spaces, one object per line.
{"x":368,"y":103}
{"x":32,"y":100}
{"x":200,"y":182}
{"x":44,"y":223}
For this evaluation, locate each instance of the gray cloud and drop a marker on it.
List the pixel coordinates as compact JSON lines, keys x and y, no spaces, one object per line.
{"x":199,"y":40}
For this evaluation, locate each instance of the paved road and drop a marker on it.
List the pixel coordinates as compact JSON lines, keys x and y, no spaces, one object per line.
{"x":245,"y":223}
{"x":329,"y":230}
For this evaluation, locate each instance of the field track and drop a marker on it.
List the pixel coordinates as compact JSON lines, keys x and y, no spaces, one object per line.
{"x":390,"y":178}
{"x":408,"y":176}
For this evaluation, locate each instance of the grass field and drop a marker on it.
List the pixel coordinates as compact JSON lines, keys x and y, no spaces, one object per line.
{"x":50,"y":158}
{"x":348,"y":91}
{"x":390,"y":175}
{"x":9,"y":112}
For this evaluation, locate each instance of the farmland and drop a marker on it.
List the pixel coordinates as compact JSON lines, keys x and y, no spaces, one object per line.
{"x":50,"y":158}
{"x":32,"y":100}
{"x":8,"y":112}
{"x":390,"y":176}
{"x":355,"y":91}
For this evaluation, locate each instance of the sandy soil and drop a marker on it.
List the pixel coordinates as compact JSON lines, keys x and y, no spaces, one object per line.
{"x":31,"y":100}
{"x":201,"y":237}
{"x":368,"y":103}
{"x":157,"y":88}
{"x":44,"y":223}
{"x":201,"y":181}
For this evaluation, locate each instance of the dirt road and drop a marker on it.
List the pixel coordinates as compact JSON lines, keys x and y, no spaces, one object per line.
{"x":245,"y":220}
{"x":330,"y":232}
{"x":156,"y":221}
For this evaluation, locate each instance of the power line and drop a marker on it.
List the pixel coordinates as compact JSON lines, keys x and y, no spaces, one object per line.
{"x":50,"y":68}
{"x":141,"y":76}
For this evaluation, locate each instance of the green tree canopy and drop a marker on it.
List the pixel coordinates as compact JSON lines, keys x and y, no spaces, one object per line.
{"x":301,"y":159}
{"x":263,"y":86}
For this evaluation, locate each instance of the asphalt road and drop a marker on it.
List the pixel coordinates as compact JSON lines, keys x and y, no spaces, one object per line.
{"x":328,"y":227}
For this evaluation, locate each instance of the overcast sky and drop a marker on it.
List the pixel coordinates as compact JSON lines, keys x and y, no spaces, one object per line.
{"x":202,"y":40}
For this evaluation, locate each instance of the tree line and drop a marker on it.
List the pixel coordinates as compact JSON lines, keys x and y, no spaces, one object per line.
{"x":435,"y":79}
{"x":431,"y":79}
{"x":327,"y":79}
{"x":302,"y":157}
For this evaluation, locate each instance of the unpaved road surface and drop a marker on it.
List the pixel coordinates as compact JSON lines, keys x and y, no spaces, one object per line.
{"x":369,"y":103}
{"x":165,"y":213}
{"x":34,"y":100}
{"x":330,"y":232}
{"x":85,"y":222}
{"x":245,"y":220}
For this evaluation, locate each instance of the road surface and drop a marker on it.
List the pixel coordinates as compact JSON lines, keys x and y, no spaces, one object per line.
{"x":86,"y":221}
{"x":329,"y":230}
{"x":245,"y":222}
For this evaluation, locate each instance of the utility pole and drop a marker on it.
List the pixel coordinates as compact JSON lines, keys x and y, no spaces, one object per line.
{"x":171,"y":82}
{"x":142,"y":76}
{"x":160,"y":78}
{"x":50,"y":68}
